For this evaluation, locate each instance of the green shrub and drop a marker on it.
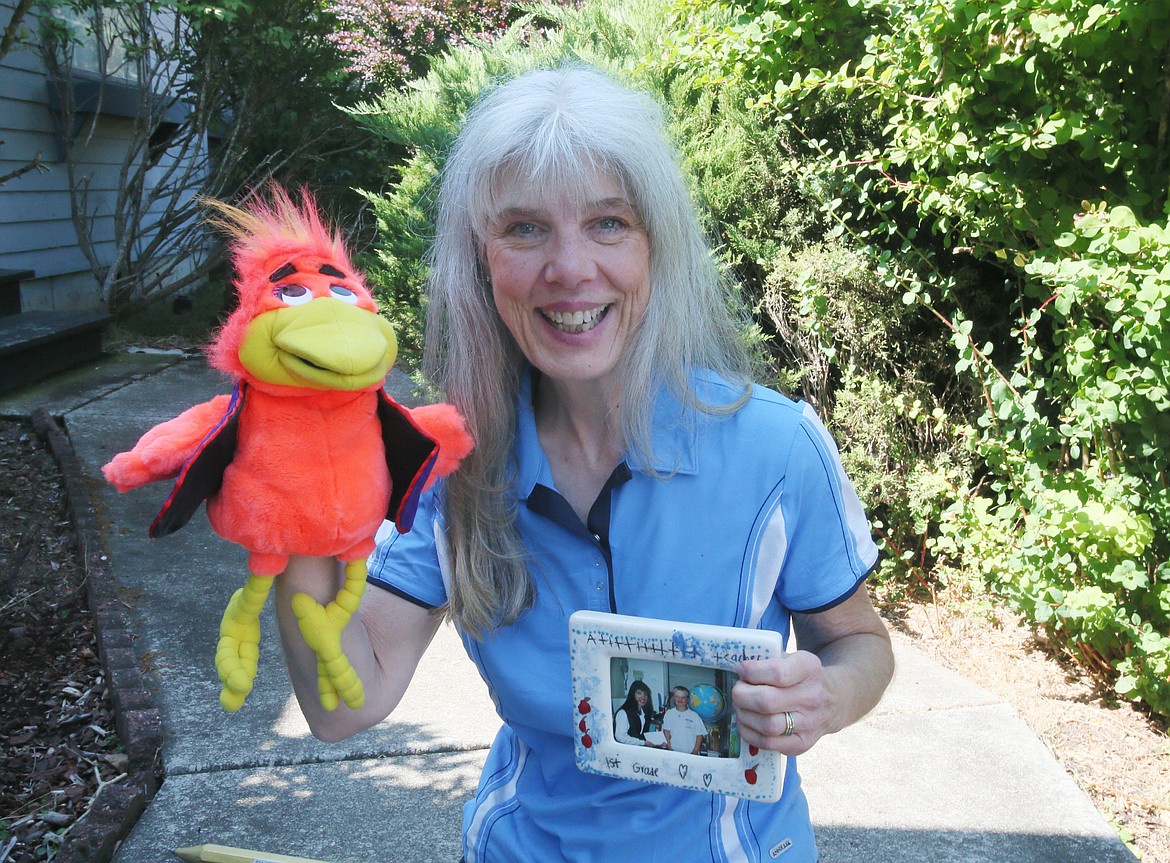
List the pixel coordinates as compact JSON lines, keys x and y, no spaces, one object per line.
{"x":871,"y":364}
{"x":983,"y":130}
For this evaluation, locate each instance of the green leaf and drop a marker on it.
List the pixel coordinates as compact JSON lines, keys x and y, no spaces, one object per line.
{"x":1128,"y":243}
{"x":1125,"y":684}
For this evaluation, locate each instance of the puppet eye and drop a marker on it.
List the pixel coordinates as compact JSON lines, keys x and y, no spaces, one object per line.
{"x":346,"y":295}
{"x":292,"y":295}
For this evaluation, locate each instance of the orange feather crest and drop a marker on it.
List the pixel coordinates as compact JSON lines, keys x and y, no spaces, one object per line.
{"x":270,"y":230}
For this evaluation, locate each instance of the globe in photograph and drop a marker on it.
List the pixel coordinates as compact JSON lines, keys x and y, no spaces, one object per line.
{"x":708,"y":702}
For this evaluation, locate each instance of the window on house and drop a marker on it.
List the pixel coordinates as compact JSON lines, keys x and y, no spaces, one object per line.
{"x":103,"y":40}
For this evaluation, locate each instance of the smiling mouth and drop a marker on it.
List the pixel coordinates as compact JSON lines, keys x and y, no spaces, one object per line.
{"x":575,"y":322}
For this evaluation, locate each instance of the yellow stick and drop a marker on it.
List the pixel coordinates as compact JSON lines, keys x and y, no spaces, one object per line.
{"x":225,"y":854}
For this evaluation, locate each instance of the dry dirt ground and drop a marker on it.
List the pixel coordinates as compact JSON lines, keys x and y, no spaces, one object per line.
{"x":58,"y":745}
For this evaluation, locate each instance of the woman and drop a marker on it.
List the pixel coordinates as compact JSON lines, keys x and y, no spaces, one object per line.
{"x":632,"y":719}
{"x":624,"y":463}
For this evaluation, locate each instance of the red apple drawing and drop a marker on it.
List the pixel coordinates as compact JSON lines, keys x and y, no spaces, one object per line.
{"x":750,"y":776}
{"x":587,"y":741}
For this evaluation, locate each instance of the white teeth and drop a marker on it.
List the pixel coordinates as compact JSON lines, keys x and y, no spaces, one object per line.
{"x":575,"y":322}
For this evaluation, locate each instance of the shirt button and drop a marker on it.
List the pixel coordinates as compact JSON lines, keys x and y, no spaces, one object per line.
{"x":597,"y":561}
{"x":600,"y":585}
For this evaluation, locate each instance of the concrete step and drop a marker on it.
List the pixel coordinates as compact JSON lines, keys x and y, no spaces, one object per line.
{"x":35,"y":345}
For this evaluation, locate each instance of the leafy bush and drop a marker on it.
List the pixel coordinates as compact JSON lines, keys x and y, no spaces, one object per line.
{"x":996,"y":124}
{"x":871,"y":364}
{"x":1000,"y":117}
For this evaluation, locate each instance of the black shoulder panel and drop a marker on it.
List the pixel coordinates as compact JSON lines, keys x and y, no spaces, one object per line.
{"x":410,"y":457}
{"x":202,"y":475}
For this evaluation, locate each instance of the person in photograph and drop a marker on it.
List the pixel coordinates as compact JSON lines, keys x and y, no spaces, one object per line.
{"x":684,"y":729}
{"x":632,"y":719}
{"x":625,"y":462}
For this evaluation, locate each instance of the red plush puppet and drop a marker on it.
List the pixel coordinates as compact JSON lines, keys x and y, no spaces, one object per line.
{"x":308,"y":454}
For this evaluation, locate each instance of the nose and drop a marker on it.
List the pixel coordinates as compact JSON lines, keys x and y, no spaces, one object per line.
{"x":570,"y":260}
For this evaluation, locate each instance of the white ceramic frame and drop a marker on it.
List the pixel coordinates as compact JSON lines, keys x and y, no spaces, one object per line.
{"x":596,"y":637}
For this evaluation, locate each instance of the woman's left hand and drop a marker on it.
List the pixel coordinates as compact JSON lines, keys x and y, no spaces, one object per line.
{"x":773,"y":694}
{"x":844,"y":663}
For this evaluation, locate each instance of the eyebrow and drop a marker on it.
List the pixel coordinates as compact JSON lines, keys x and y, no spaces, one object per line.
{"x":518,"y":212}
{"x":601,"y":204}
{"x":286,"y":270}
{"x":330,"y":270}
{"x":606,"y":203}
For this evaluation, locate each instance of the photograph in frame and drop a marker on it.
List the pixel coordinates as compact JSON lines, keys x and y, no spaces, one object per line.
{"x":682,"y":675}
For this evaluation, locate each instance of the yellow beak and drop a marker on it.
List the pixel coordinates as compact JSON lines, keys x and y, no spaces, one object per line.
{"x":326,"y":344}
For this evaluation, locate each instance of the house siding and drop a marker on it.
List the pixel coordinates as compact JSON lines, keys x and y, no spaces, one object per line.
{"x":36,"y":225}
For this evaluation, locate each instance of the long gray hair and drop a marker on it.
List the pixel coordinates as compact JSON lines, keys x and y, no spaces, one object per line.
{"x":554,"y":130}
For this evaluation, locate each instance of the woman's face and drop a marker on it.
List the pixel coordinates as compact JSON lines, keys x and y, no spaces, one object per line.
{"x":570,"y":278}
{"x":640,"y":697}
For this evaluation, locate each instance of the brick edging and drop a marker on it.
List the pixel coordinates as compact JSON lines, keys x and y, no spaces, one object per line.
{"x":115,"y":810}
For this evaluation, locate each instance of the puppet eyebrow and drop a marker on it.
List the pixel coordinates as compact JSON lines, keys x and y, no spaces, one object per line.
{"x":286,"y":270}
{"x":330,"y":270}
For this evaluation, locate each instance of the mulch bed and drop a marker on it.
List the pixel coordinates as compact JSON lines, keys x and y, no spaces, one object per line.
{"x":74,"y":773}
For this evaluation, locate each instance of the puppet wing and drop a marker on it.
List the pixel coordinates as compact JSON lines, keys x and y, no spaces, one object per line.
{"x":201,"y":475}
{"x":443,"y":424}
{"x":162,"y":452}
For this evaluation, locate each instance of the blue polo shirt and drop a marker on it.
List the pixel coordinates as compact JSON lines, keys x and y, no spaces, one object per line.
{"x":740,"y":519}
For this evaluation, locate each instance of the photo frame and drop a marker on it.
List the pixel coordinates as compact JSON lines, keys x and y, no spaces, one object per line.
{"x":613,"y":657}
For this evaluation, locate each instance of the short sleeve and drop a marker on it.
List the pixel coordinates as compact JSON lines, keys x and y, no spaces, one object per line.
{"x":830,"y":548}
{"x":408,"y":564}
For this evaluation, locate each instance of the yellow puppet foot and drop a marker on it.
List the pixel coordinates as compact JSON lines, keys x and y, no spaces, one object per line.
{"x":321,"y":626}
{"x":326,"y":691}
{"x":238,"y":654}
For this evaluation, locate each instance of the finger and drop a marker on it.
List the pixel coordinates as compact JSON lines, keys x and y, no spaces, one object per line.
{"x":749,"y":700}
{"x":786,"y":670}
{"x":773,"y":725}
{"x":796,"y":743}
{"x":772,"y":686}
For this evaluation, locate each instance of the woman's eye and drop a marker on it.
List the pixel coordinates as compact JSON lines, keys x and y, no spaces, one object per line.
{"x":522,"y":229}
{"x":611,"y":229}
{"x":346,"y":295}
{"x":292,"y":295}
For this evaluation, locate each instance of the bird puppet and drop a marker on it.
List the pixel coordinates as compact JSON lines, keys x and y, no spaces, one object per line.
{"x":308,"y":454}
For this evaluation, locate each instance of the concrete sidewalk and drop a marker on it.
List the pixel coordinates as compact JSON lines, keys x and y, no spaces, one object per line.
{"x":941,"y":771}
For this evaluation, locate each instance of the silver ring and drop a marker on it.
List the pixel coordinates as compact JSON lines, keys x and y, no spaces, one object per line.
{"x":789,"y":725}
